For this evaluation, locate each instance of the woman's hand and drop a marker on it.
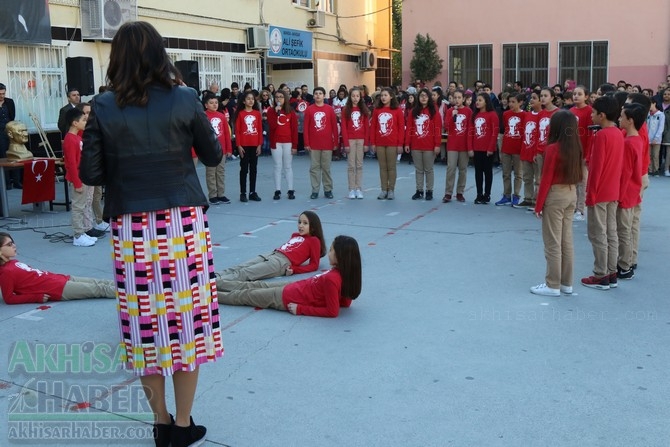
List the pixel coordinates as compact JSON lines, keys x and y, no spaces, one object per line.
{"x":293,"y":308}
{"x":258,"y":150}
{"x":289,"y":271}
{"x":539,"y":215}
{"x":79,"y":190}
{"x":489,"y":153}
{"x":240,"y":149}
{"x":407,"y":149}
{"x":45,"y":298}
{"x":471,"y":153}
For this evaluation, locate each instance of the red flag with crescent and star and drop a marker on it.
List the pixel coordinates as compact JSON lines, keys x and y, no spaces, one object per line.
{"x":39,"y":180}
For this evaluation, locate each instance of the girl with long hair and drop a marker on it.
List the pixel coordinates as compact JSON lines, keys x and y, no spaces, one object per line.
{"x":483,"y":145}
{"x":249,"y":139}
{"x":283,"y":141}
{"x":457,"y":122}
{"x":555,"y":203}
{"x":387,"y":133}
{"x":582,"y":110}
{"x":355,"y":129}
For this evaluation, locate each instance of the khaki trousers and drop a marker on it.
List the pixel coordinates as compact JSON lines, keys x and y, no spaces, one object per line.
{"x":424,"y":162}
{"x":511,"y":162}
{"x":581,"y":189}
{"x":624,"y":224}
{"x":319,"y":170}
{"x":637,"y":212}
{"x":77,"y":288}
{"x":528,"y":169}
{"x":355,"y":164}
{"x":456,"y":160}
{"x":387,"y":157}
{"x":537,"y":167}
{"x":82,"y":211}
{"x":655,"y":151}
{"x":266,"y":295}
{"x":261,"y":267}
{"x":215,"y":178}
{"x":96,"y":204}
{"x":559,"y":207}
{"x":601,"y":227}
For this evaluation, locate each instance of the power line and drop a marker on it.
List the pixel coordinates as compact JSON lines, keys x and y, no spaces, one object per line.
{"x":366,"y":14}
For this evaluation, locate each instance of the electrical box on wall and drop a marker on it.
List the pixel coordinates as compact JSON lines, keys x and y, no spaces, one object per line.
{"x":367,"y":61}
{"x":257,"y":38}
{"x":101,"y":19}
{"x":318,"y":20}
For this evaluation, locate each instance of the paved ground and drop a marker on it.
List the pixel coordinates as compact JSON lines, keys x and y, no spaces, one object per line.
{"x":445,"y":345}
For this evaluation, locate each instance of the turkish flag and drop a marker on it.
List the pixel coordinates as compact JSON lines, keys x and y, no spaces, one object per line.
{"x":39,"y":180}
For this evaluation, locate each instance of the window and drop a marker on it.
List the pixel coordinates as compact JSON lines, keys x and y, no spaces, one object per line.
{"x":470,"y":63}
{"x":584,"y":62}
{"x":244,"y":69}
{"x":209,"y":68}
{"x":36,"y":77}
{"x":528,"y":63}
{"x":222,"y":68}
{"x":321,"y":5}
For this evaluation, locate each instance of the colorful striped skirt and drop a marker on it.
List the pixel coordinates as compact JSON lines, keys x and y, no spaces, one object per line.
{"x":167,"y":303}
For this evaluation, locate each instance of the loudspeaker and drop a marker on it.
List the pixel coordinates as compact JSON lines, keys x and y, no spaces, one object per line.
{"x":79,"y":72}
{"x":189,"y":71}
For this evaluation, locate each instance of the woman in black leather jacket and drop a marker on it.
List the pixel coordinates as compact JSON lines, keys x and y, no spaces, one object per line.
{"x":138,"y":144}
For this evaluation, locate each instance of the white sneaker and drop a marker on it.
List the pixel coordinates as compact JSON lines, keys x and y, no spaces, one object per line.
{"x":543,"y":289}
{"x":578,"y":217}
{"x":102,"y":226}
{"x":359,"y":194}
{"x":566,"y":289}
{"x":390,"y":195}
{"x":83,"y":241}
{"x":382,"y":195}
{"x":352,"y":194}
{"x":667,"y":173}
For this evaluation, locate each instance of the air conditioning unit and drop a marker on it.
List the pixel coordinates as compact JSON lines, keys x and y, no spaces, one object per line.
{"x":318,"y":20}
{"x":257,"y":38}
{"x":367,"y":61}
{"x":101,"y":19}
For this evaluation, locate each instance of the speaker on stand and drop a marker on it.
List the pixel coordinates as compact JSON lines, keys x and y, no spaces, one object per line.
{"x":190,"y":73}
{"x":79,"y":72}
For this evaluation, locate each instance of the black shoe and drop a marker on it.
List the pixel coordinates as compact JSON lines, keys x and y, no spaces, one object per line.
{"x":429,"y":195}
{"x":96,"y":233}
{"x":487,"y":198}
{"x":328,"y":194}
{"x":625,"y":274}
{"x":277,"y":195}
{"x":193,"y":435}
{"x":291,"y":194}
{"x":253,"y":196}
{"x":224,"y":200}
{"x":417,"y":195}
{"x":634,"y":266}
{"x":315,"y":195}
{"x":163,"y":433}
{"x":243,"y":197}
{"x":214,"y":200}
{"x":480,"y":200}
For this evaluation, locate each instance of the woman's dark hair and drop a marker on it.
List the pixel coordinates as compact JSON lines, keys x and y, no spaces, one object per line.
{"x":350,"y":105}
{"x":316,"y":230}
{"x":563,"y":130}
{"x":489,"y":105}
{"x":286,"y":107}
{"x":394,"y":101}
{"x":242,"y":97}
{"x":416,"y":110}
{"x":349,"y":264}
{"x":136,"y":61}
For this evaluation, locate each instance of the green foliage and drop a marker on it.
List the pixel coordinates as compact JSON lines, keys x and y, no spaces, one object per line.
{"x":426,"y":63}
{"x":396,"y":58}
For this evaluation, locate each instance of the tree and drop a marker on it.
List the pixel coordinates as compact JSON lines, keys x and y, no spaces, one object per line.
{"x":396,"y":58}
{"x":426,"y":63}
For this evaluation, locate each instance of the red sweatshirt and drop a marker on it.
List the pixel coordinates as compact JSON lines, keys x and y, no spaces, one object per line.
{"x":356,"y":127}
{"x":320,"y":128}
{"x":550,"y":174}
{"x":530,"y":135}
{"x":458,"y":129}
{"x":631,"y":177}
{"x":605,"y":164}
{"x":583,"y":122}
{"x":543,"y":129}
{"x":318,"y":296}
{"x":220,"y":125}
{"x":299,"y":249}
{"x":646,"y":159}
{"x":283,"y":128}
{"x":511,"y":143}
{"x":484,"y":132}
{"x":71,"y":156}
{"x":423,"y":133}
{"x":387,"y":127}
{"x":249,"y":128}
{"x":21,"y":284}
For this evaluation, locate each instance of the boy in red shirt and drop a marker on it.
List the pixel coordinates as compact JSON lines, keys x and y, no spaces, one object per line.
{"x":215,"y":177}
{"x":510,"y":154}
{"x":321,"y":139}
{"x":602,"y":193}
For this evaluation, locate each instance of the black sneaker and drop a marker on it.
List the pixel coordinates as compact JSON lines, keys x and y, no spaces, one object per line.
{"x":96,"y":233}
{"x":214,"y":200}
{"x":253,"y":196}
{"x":315,"y":195}
{"x":291,"y":195}
{"x":625,"y":274}
{"x":417,"y":195}
{"x":480,"y":200}
{"x":277,"y":195}
{"x":429,"y":195}
{"x":187,"y":436}
{"x":524,"y":204}
{"x":243,"y":197}
{"x":224,"y":200}
{"x":487,"y":198}
{"x":328,"y":194}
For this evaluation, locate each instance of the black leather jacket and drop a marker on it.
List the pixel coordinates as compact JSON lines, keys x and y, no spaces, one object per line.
{"x":142,"y":155}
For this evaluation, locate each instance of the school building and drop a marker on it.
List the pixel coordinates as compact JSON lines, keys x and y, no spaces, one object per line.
{"x":547,"y":41}
{"x":313,"y":42}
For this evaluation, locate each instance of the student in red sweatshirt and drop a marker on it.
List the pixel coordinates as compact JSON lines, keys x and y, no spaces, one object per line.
{"x":283,"y":141}
{"x":547,"y":99}
{"x":632,"y":118}
{"x":555,"y":204}
{"x":321,"y":139}
{"x":387,"y":133}
{"x":582,"y":111}
{"x":602,"y":193}
{"x":215,"y":177}
{"x":305,"y":245}
{"x":510,"y":152}
{"x":22,"y":284}
{"x":483,"y":144}
{"x":530,"y":136}
{"x":249,"y":139}
{"x":355,"y":129}
{"x":423,"y":137}
{"x":320,"y":296}
{"x":458,"y":121}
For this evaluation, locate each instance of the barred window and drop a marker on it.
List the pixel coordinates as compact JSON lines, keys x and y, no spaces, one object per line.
{"x":583,"y":62}
{"x":469,"y":63}
{"x":528,"y":62}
